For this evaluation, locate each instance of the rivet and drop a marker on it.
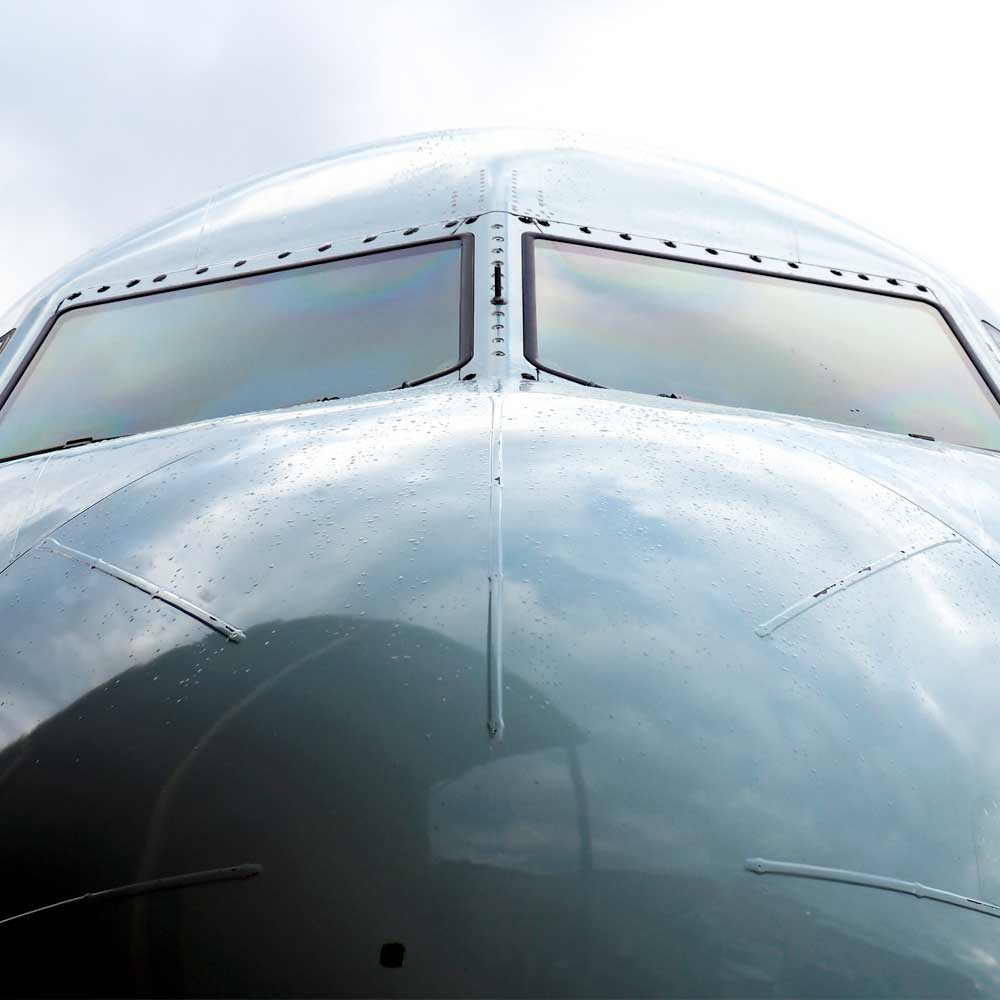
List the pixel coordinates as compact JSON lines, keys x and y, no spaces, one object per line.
{"x":892,"y":281}
{"x":497,"y":239}
{"x":411,"y":230}
{"x":526,"y":219}
{"x":542,"y":222}
{"x":670,"y":243}
{"x":497,"y":225}
{"x":74,"y":295}
{"x":452,"y":224}
{"x":201,"y":270}
{"x":711,"y":251}
{"x":239,"y":263}
{"x":323,"y":248}
{"x":159,"y":277}
{"x":499,"y":354}
{"x":863,"y":277}
{"x":103,"y":288}
{"x":471,"y":219}
{"x":284,"y":254}
{"x":839,"y":274}
{"x":497,"y":250}
{"x":792,"y":264}
{"x":755,"y":258}
{"x":132,"y":283}
{"x":369,"y":239}
{"x":921,"y":288}
{"x":585,"y":229}
{"x":624,"y":236}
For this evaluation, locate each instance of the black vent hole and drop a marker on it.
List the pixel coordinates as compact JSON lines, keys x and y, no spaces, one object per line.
{"x":392,"y":954}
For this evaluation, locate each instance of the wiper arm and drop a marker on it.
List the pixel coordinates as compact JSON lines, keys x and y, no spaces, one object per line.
{"x":71,"y":443}
{"x":76,"y":442}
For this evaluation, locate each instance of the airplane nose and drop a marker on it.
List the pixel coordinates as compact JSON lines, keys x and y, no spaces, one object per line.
{"x":701,"y":638}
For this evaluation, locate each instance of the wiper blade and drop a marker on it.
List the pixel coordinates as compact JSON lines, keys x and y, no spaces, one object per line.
{"x":71,"y":443}
{"x":76,"y":442}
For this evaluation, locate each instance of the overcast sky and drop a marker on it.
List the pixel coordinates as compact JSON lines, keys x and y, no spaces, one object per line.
{"x":111,"y":114}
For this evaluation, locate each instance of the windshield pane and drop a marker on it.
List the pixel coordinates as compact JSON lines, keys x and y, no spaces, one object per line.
{"x":335,"y":329}
{"x":646,"y":324}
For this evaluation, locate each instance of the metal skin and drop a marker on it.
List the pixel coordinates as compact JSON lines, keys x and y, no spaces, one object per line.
{"x":567,"y":691}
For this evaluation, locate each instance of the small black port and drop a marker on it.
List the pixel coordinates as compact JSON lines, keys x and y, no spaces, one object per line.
{"x":498,"y":299}
{"x":392,"y":955}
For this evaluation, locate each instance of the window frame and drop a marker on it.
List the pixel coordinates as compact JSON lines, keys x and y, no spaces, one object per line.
{"x":466,"y":309}
{"x":530,"y":317}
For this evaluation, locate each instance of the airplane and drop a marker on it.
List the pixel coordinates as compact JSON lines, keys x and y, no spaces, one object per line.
{"x":500,"y":563}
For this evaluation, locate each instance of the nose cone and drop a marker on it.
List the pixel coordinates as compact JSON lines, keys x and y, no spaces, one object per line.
{"x":719,"y":639}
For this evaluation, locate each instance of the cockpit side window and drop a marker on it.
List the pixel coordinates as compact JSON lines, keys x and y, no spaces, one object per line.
{"x":743,"y":339}
{"x":330,"y":330}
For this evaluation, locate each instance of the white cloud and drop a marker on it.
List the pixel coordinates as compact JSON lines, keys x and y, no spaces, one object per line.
{"x":113,"y":114}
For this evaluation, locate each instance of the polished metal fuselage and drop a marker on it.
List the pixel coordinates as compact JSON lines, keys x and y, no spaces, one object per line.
{"x":530,"y":676}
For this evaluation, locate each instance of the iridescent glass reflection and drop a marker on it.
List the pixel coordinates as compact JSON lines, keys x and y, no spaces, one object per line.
{"x":651,"y":325}
{"x":331,"y":330}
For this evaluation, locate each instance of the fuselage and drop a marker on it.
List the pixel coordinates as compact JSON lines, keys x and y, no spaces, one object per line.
{"x":499,"y":682}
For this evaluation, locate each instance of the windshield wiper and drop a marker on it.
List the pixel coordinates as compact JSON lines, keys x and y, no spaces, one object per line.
{"x":71,"y":443}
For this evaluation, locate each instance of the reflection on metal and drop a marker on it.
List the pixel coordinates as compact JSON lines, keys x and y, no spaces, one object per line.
{"x":29,"y":511}
{"x":36,"y":497}
{"x":164,"y":804}
{"x":586,"y":855}
{"x":156,"y":593}
{"x":773,"y":624}
{"x":494,"y":617}
{"x":761,"y":866}
{"x":232,"y":874}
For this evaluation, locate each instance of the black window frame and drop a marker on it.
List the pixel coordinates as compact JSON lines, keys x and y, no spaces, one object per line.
{"x":466,"y":310}
{"x":530,"y":317}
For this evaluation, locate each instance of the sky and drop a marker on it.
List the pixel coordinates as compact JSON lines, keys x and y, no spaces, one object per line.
{"x":115,"y":113}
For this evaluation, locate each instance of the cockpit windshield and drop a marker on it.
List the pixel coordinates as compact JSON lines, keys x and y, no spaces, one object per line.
{"x":652,"y":325}
{"x":322,"y":331}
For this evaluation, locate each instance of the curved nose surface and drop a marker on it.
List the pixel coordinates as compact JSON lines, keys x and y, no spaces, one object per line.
{"x":715,"y":645}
